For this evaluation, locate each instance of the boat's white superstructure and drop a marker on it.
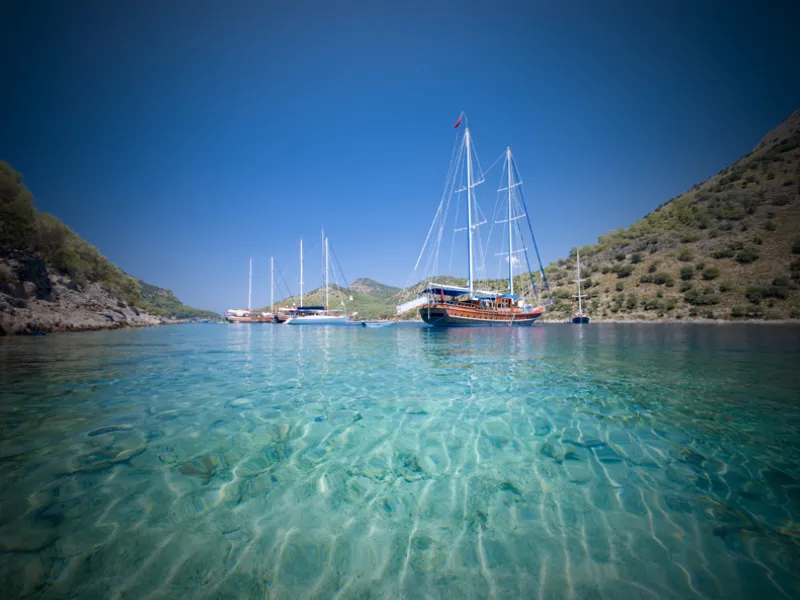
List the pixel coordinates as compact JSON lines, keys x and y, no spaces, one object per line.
{"x":318,"y":319}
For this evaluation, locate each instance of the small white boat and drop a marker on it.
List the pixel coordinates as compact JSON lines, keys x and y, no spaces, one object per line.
{"x":318,"y":319}
{"x":377,"y":324}
{"x":318,"y":315}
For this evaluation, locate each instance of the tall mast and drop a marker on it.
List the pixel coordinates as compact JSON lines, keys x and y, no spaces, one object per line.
{"x":580,"y":303}
{"x":272,"y":283}
{"x":322,"y":254}
{"x":250,"y":286}
{"x":510,"y":234}
{"x":469,"y":207}
{"x":301,"y":272}
{"x":326,"y":273}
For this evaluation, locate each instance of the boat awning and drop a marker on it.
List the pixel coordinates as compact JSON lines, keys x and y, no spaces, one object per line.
{"x":454,"y":290}
{"x":411,"y":305}
{"x":300,"y":308}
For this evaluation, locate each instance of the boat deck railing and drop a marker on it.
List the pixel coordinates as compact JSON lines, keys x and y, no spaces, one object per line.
{"x":480,"y":308}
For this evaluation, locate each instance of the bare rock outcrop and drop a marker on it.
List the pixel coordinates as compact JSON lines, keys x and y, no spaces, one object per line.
{"x":33,"y":299}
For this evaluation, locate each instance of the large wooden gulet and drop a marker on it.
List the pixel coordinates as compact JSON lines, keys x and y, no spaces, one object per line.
{"x":451,"y":305}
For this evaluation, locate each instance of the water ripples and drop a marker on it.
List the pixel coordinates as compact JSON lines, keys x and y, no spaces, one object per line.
{"x":546,"y":462}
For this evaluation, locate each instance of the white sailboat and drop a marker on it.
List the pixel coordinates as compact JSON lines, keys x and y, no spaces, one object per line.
{"x":318,"y":315}
{"x":579,"y":318}
{"x":246,"y":315}
{"x":242,"y":315}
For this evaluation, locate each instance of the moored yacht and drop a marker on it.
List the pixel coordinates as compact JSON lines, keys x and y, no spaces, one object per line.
{"x":454,"y":305}
{"x":318,"y":315}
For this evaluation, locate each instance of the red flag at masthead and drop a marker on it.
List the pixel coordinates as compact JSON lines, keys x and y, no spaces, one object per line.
{"x":459,"y":121}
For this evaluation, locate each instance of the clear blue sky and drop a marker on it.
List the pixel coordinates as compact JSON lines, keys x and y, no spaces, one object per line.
{"x":183,"y":137}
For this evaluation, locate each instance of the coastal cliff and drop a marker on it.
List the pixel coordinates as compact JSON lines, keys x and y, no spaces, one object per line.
{"x":33,"y":299}
{"x":53,"y":280}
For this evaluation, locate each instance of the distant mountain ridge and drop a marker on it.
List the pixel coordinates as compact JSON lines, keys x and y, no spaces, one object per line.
{"x":164,"y":302}
{"x":370,"y":286}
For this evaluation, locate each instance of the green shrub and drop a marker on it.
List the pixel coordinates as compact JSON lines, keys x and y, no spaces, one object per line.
{"x":619,"y":256}
{"x":620,"y":286}
{"x":693,"y":312}
{"x":606,"y":269}
{"x":698,"y":298}
{"x":710,"y":273}
{"x":625,"y":271}
{"x":646,"y":278}
{"x":770,"y":225}
{"x":781,"y":281}
{"x":686,"y":254}
{"x":754,"y":294}
{"x":687,"y":273}
{"x":636,"y":258}
{"x":709,"y":314}
{"x":746,"y":256}
{"x":631,"y":303}
{"x":652,"y":304}
{"x":699,"y":266}
{"x":739,"y":312}
{"x":723,"y":253}
{"x":663,"y":279}
{"x":652,"y":267}
{"x":685,"y":287}
{"x":724,"y":287}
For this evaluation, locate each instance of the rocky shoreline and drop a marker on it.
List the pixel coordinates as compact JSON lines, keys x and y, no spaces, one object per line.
{"x":34,"y":299}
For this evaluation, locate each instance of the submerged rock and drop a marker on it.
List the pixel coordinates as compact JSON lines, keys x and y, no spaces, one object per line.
{"x":27,"y":536}
{"x":203,"y":467}
{"x":556,"y":452}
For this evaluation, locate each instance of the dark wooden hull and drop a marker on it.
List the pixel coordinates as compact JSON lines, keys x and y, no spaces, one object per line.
{"x":453,"y":315}
{"x":580,"y":320}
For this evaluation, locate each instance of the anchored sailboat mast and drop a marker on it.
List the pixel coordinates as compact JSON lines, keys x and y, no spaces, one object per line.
{"x":580,"y":300}
{"x":469,"y":207}
{"x":510,"y":228}
{"x":250,"y":286}
{"x":301,"y":272}
{"x":326,"y":273}
{"x":272,"y":283}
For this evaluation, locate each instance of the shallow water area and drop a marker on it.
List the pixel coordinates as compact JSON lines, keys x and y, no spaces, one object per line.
{"x":252,"y":461}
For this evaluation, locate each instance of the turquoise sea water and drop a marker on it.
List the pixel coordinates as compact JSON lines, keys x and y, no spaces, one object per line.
{"x":210,"y":461}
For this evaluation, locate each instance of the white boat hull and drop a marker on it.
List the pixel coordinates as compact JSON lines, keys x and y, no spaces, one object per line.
{"x":319,"y":320}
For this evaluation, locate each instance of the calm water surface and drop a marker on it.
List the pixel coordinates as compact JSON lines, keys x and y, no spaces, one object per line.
{"x":209,"y":461}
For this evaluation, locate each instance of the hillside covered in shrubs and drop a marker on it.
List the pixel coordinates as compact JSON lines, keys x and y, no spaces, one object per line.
{"x":728,"y":248}
{"x":25,"y":231}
